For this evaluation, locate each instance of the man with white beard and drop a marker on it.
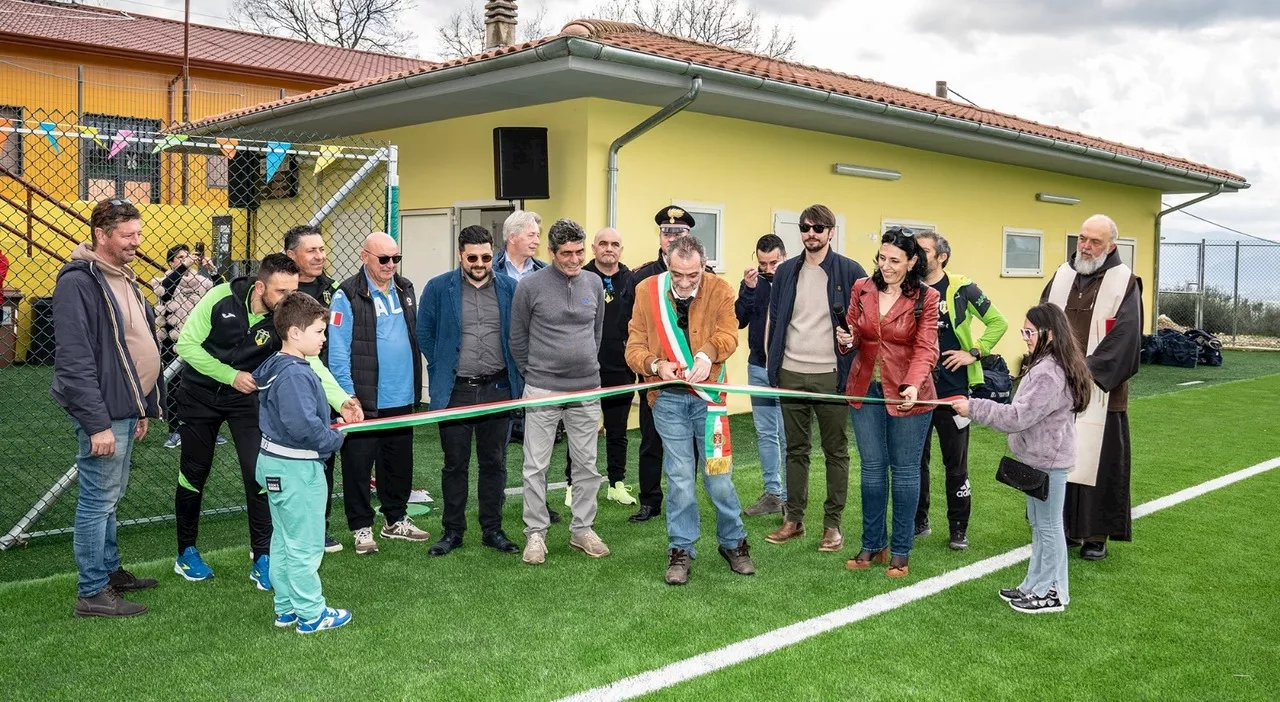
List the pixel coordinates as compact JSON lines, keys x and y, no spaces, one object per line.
{"x":1103,"y":302}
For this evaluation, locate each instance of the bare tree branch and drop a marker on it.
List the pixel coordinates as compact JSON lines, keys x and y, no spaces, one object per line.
{"x":371,"y":25}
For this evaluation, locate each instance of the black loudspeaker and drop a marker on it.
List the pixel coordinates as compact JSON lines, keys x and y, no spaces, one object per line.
{"x":520,"y":163}
{"x":244,"y":179}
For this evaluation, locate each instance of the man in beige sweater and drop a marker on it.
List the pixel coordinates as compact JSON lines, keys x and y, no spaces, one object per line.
{"x":106,"y":374}
{"x":807,"y":303}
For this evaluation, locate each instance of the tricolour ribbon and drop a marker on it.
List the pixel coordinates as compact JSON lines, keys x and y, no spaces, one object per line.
{"x":480,"y":410}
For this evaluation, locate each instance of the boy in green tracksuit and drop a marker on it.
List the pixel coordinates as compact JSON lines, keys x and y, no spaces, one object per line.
{"x":296,"y":440}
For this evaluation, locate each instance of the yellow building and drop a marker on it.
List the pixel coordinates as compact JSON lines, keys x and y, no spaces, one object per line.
{"x":748,"y":143}
{"x":76,"y":81}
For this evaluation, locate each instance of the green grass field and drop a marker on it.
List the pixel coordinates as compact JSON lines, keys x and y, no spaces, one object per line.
{"x":1184,"y":612}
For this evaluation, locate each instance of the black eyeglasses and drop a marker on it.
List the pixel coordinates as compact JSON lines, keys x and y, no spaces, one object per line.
{"x":384,"y":260}
{"x":819,"y":228}
{"x":471,"y":258}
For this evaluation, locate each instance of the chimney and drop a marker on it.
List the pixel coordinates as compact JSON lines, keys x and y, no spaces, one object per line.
{"x":940,"y":89}
{"x":499,"y":23}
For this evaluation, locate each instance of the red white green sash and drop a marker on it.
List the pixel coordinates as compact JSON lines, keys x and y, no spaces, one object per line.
{"x":716,"y":440}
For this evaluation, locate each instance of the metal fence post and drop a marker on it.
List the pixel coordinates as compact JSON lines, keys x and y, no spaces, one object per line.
{"x":1235,"y":297}
{"x":1200,"y":285}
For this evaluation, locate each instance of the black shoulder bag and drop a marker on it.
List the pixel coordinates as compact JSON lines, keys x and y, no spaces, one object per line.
{"x":1021,"y":476}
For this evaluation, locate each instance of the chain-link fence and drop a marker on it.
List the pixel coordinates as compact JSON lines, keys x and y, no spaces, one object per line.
{"x":1228,"y":289}
{"x":213,"y":204}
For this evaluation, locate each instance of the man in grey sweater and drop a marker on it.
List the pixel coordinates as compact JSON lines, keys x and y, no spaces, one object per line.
{"x":557,"y":318}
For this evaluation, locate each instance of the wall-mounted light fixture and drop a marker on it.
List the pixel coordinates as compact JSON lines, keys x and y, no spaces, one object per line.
{"x":1058,"y":199}
{"x":866,"y":172}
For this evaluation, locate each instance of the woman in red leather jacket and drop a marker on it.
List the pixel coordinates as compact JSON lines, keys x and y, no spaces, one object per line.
{"x":893,"y":323}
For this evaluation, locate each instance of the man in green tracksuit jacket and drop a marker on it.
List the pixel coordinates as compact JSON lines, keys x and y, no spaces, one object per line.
{"x":228,"y":334}
{"x":960,"y":300}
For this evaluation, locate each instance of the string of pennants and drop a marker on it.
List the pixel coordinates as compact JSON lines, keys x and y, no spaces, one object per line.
{"x":275,"y":151}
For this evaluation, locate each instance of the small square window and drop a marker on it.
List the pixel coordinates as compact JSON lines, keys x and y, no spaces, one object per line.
{"x":708,"y":227}
{"x":1023,"y":255}
{"x":216,"y":171}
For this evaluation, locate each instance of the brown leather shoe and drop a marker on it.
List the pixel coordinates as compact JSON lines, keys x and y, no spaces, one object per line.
{"x":865,"y":558}
{"x":898,"y":567}
{"x":677,"y":566}
{"x":739,"y":558}
{"x":786,"y":532}
{"x":832,"y":540}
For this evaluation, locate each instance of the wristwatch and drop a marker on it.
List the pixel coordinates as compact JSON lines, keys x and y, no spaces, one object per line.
{"x":653,"y":369}
{"x":976,"y":353}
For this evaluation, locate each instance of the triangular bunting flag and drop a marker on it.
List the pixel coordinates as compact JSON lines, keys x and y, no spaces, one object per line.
{"x":170,"y":141}
{"x":276,"y":151}
{"x":92,"y":133}
{"x":227,"y":146}
{"x":119,"y":143}
{"x":328,"y":154}
{"x":47,"y":128}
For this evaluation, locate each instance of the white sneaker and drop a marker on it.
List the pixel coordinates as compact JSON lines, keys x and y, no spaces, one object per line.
{"x":405,"y":531}
{"x":364,"y":541}
{"x":419,"y":497}
{"x":590,"y":544}
{"x":535,"y":551}
{"x":568,"y":496}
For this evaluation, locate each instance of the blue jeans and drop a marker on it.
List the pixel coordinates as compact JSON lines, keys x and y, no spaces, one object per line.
{"x":102,"y":482}
{"x":771,"y":441}
{"x":889,"y":446}
{"x":680,"y":418}
{"x":1048,"y":567}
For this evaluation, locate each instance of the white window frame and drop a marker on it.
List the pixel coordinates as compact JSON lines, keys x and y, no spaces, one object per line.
{"x":1005,"y":270}
{"x":716,"y":209}
{"x":1122,"y":241}
{"x":793,"y":217}
{"x":887,"y":224}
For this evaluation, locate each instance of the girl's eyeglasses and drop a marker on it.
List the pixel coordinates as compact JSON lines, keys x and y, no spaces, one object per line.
{"x":1028,"y":333}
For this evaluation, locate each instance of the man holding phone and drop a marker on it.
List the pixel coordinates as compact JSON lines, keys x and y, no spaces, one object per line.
{"x":752,"y":309}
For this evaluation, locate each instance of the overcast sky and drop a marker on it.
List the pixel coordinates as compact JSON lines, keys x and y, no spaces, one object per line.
{"x":1197,"y":79}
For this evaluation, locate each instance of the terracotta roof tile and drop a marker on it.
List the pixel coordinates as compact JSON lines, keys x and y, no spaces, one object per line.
{"x":98,"y":28}
{"x":636,"y":38}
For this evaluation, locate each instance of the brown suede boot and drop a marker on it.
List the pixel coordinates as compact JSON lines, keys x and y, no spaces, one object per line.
{"x":832,"y":540}
{"x":739,"y":558}
{"x":786,"y":532}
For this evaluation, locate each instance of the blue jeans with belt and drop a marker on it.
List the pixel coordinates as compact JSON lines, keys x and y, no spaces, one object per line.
{"x":103,"y":480}
{"x":890,"y":449}
{"x":680,"y":418}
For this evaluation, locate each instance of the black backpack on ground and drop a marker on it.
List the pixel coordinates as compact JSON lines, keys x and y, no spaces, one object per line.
{"x":1210,"y":347}
{"x":1176,"y":349}
{"x":997,"y":383}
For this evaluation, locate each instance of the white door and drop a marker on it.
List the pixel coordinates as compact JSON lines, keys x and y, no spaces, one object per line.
{"x":426,"y":242}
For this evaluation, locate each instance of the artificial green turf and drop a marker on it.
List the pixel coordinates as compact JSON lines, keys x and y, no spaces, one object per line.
{"x":477,"y":625}
{"x":1161,"y":619}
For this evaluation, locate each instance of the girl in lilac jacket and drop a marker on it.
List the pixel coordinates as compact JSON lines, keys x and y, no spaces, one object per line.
{"x":1054,"y":387}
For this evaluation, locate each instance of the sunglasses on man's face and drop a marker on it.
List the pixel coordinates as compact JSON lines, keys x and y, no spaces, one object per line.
{"x":472,"y":258}
{"x":384,"y":260}
{"x":805,"y":227}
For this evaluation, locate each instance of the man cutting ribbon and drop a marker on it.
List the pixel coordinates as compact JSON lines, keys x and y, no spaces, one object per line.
{"x":683,"y":327}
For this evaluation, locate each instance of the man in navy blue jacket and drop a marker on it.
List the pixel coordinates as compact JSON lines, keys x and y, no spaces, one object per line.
{"x":464,"y":318}
{"x":752,"y":309}
{"x":106,"y":376}
{"x":807,"y":304}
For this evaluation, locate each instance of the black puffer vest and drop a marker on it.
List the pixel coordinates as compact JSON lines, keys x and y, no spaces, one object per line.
{"x":364,"y":338}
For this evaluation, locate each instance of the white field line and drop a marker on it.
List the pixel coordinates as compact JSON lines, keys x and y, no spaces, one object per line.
{"x":768,"y":642}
